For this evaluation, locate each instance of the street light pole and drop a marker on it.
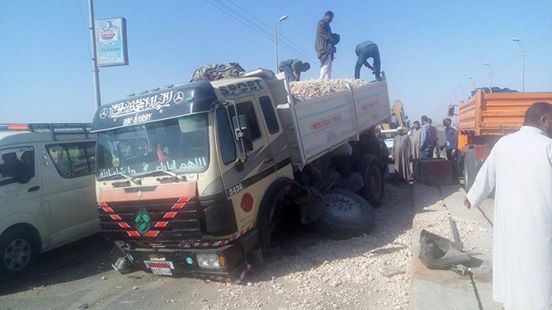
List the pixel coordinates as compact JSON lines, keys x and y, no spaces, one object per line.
{"x":95,"y":71}
{"x":522,"y":62}
{"x":281,"y":19}
{"x":491,"y":74}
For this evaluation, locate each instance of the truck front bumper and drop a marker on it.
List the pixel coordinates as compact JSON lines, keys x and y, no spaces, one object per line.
{"x":231,"y":259}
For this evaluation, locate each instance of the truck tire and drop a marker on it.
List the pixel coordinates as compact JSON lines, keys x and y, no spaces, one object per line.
{"x":269,"y":212}
{"x":345,"y":214}
{"x":470,"y":168}
{"x":19,"y":249}
{"x":372,"y":174}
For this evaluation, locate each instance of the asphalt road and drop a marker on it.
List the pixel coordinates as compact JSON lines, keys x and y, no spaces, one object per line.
{"x":303,"y":271}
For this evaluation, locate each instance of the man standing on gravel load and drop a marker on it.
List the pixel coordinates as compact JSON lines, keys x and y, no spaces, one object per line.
{"x":324,"y":45}
{"x":519,"y":170}
{"x":293,"y":68}
{"x":365,"y":50}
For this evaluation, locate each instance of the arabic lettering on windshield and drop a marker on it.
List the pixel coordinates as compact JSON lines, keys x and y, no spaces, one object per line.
{"x":178,"y":145}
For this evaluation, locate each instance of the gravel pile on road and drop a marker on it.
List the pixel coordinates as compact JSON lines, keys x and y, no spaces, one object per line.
{"x":302,"y":90}
{"x":310,"y":272}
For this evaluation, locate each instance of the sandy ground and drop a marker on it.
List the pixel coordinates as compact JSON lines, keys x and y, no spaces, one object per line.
{"x":303,"y":271}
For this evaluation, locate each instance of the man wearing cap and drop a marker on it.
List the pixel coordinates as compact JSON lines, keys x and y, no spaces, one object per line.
{"x":293,"y":68}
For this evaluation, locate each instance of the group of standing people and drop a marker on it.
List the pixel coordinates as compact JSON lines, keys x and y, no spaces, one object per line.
{"x":422,"y":142}
{"x":325,"y":48}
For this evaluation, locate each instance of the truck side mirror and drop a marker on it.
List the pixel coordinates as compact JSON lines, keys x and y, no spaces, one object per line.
{"x":242,"y":132}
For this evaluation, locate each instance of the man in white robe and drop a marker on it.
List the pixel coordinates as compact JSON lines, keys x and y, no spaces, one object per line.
{"x":519,"y":169}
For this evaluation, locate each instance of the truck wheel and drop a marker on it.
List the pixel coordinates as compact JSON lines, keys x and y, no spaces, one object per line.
{"x":470,"y":168}
{"x":373,"y":182}
{"x":270,"y":212}
{"x":19,"y":249}
{"x":345,"y":214}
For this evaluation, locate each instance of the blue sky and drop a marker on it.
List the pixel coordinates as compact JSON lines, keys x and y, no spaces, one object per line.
{"x":428,"y":48}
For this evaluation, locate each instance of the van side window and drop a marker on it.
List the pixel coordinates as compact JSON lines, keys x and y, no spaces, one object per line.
{"x":73,"y":160}
{"x":225,"y":137}
{"x":268,"y":113}
{"x":16,"y":165}
{"x":248,"y":110}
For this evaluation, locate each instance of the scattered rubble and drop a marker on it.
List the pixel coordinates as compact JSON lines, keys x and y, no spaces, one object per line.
{"x":302,"y":90}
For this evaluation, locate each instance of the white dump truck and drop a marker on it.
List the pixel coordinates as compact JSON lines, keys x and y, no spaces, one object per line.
{"x":195,"y":179}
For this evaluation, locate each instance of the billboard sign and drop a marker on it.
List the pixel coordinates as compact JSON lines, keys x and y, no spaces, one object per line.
{"x":111,"y":43}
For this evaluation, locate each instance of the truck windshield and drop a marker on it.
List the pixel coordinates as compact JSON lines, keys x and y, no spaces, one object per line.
{"x":179,"y":145}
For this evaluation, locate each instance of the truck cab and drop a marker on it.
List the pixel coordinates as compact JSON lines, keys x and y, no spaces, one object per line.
{"x":184,"y":169}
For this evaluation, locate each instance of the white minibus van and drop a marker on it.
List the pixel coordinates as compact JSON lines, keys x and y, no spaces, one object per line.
{"x":47,"y":195}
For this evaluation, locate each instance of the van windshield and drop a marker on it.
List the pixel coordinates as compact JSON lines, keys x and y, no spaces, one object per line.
{"x":178,"y":145}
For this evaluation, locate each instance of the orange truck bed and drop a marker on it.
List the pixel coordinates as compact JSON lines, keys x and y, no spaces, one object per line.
{"x":496,"y":114}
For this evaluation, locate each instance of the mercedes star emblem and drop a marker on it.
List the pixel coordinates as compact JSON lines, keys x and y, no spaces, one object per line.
{"x":103,"y":112}
{"x":178,"y":97}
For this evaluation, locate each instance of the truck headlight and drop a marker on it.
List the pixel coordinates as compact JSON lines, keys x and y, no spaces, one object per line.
{"x":210,"y":261}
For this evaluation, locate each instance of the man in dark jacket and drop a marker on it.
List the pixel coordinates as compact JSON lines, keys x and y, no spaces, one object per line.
{"x":365,"y":50}
{"x":293,"y":68}
{"x":324,"y":45}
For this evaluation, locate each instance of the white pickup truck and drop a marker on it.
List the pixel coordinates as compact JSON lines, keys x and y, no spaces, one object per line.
{"x":194,"y":179}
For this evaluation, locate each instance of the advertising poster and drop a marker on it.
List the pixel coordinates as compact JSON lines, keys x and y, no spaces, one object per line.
{"x":111,"y":45}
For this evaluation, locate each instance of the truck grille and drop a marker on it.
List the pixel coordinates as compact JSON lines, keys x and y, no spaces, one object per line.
{"x":162,"y":220}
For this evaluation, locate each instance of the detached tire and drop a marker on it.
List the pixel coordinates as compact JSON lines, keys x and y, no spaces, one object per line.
{"x":19,"y":249}
{"x":345,"y":214}
{"x":373,"y":181}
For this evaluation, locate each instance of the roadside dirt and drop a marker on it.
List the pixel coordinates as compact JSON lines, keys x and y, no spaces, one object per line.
{"x":304,"y":271}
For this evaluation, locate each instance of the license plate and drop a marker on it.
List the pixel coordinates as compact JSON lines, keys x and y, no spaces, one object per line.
{"x":160,"y":267}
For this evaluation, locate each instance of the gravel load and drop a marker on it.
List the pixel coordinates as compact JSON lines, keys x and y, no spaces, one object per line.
{"x":302,"y":90}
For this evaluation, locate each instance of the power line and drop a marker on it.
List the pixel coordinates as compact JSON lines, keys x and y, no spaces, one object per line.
{"x":258,"y":24}
{"x":285,"y":40}
{"x":242,"y":21}
{"x":255,"y":24}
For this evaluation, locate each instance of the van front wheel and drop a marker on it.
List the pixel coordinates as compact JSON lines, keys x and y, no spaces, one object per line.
{"x":18,"y":250}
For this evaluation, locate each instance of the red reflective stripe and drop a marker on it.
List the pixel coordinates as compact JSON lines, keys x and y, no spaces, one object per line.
{"x":183,"y":199}
{"x":161,"y":224}
{"x":105,"y":207}
{"x":177,"y":206}
{"x":115,"y":217}
{"x":152,"y":233}
{"x":133,"y":233}
{"x":169,"y":215}
{"x":123,"y":225}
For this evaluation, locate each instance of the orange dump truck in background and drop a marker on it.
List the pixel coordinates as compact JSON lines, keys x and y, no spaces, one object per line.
{"x":486,"y":117}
